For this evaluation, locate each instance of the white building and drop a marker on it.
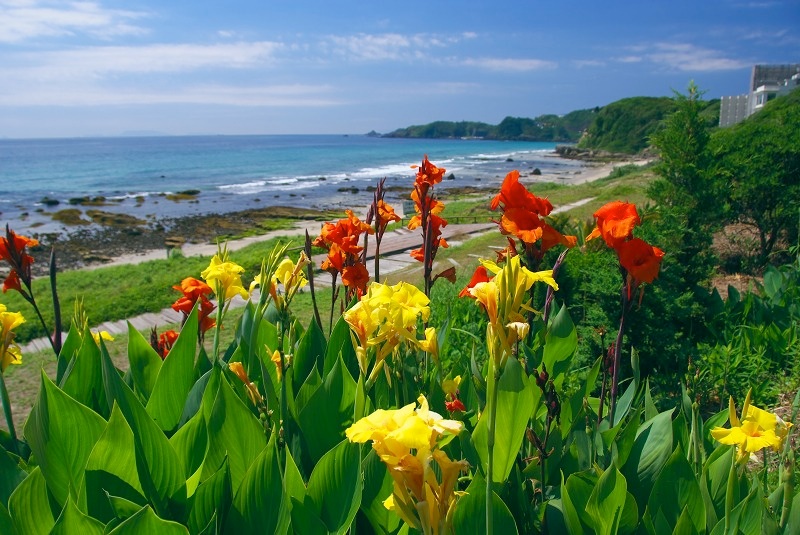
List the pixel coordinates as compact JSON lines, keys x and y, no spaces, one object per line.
{"x":766,"y":83}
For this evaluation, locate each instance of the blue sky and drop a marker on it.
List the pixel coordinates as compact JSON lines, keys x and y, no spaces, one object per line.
{"x":105,"y":67}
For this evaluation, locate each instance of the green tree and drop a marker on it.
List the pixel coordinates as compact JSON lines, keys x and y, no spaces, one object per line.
{"x":759,"y":161}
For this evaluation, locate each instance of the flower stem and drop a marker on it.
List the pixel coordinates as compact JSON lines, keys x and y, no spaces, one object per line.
{"x":494,"y":372}
{"x":730,"y":489}
{"x":618,"y":354}
{"x":7,"y":412}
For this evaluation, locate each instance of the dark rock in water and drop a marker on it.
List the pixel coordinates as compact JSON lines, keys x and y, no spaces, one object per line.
{"x":322,"y":178}
{"x":47,"y":201}
{"x":371,"y":188}
{"x":536,"y":171}
{"x":346,"y":189}
{"x":509,"y":159}
{"x":451,"y":176}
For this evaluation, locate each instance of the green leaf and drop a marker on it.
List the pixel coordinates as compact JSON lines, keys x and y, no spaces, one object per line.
{"x":211,"y":500}
{"x":72,"y":521}
{"x":146,"y":521}
{"x":61,"y":433}
{"x":144,"y":362}
{"x":82,"y":379}
{"x":175,"y":378}
{"x":190,"y":443}
{"x":259,"y":506}
{"x":378,"y":485}
{"x":328,"y":412}
{"x":68,"y":350}
{"x":607,"y":502}
{"x":650,"y":452}
{"x":340,"y":345}
{"x":335,"y":486}
{"x":29,"y":506}
{"x":715,"y":475}
{"x":159,"y":468}
{"x":234,"y":432}
{"x":580,"y":486}
{"x":293,"y":483}
{"x":470,"y":513}
{"x":675,"y":493}
{"x":514,"y":407}
{"x":571,"y":519}
{"x":11,"y":475}
{"x":309,"y":354}
{"x":111,"y":469}
{"x":561,"y":341}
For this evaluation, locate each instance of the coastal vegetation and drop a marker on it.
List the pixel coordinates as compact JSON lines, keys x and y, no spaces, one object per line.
{"x":566,"y":128}
{"x":583,"y":376}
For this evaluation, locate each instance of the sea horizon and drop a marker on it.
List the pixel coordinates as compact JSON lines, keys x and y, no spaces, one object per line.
{"x":143,"y":176}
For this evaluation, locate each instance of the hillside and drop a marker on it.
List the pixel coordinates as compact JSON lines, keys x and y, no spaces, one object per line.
{"x":567,"y":128}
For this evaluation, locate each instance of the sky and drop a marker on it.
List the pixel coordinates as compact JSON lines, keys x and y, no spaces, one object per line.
{"x":177,"y":67}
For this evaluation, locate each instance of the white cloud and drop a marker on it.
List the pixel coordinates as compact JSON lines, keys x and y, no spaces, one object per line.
{"x":22,"y":20}
{"x":97,"y":62}
{"x":509,"y":64}
{"x":688,"y":57}
{"x":581,"y":63}
{"x":381,"y":47}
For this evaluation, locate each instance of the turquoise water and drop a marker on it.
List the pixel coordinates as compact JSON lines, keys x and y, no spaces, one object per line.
{"x":235,"y":172}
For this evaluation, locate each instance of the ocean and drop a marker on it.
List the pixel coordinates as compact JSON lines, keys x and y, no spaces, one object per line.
{"x":134,"y":175}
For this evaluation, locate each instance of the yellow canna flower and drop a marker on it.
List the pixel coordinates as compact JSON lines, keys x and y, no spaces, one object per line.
{"x":450,"y":386}
{"x":102,"y":335}
{"x":757,"y":429}
{"x":407,"y":441}
{"x":225,"y":277}
{"x":9,"y":351}
{"x":250,"y":388}
{"x":431,"y":343}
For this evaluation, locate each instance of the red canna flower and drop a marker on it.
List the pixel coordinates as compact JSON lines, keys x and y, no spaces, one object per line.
{"x":615,"y":223}
{"x":641,"y":260}
{"x":513,"y":194}
{"x":480,"y":275}
{"x":343,"y":242}
{"x":165,"y":342}
{"x":428,"y":173}
{"x":356,"y":276}
{"x":195,"y":290}
{"x":455,"y":405}
{"x":12,"y":250}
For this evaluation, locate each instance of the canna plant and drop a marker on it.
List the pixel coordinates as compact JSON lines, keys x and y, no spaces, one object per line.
{"x":290,"y":430}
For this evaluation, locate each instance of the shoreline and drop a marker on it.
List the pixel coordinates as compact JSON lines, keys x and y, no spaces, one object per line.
{"x":197,"y":234}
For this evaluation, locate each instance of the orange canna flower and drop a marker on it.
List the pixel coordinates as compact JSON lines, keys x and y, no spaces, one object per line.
{"x":513,"y":194}
{"x":640,"y":259}
{"x":12,"y":250}
{"x":386,"y":214}
{"x":194,"y":290}
{"x":356,"y":276}
{"x":551,"y":237}
{"x":524,"y":224}
{"x":428,"y":173}
{"x":615,"y":223}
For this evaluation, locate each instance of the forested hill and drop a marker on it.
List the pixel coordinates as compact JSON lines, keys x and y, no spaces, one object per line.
{"x":566,"y":128}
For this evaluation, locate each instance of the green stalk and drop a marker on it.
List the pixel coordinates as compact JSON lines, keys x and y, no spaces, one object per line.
{"x":729,"y":492}
{"x":7,"y":412}
{"x":217,"y":326}
{"x":492,"y":413}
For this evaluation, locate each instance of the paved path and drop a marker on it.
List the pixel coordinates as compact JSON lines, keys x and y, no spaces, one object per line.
{"x":394,"y":257}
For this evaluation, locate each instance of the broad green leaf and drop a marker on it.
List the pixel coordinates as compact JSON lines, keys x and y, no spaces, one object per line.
{"x":335,"y":486}
{"x":650,"y":452}
{"x":233,"y":432}
{"x":378,"y":486}
{"x":293,"y":483}
{"x":328,"y":412}
{"x":122,"y":508}
{"x":607,"y":502}
{"x":11,"y":475}
{"x":650,"y":410}
{"x":773,"y":281}
{"x":160,"y":471}
{"x":82,"y":379}
{"x":676,"y":492}
{"x":561,"y":341}
{"x":341,"y":345}
{"x":793,"y":523}
{"x":111,"y":468}
{"x":305,"y":520}
{"x":259,"y":506}
{"x":307,"y":389}
{"x":580,"y":486}
{"x":514,"y":407}
{"x":29,"y":506}
{"x":470,"y":513}
{"x":570,"y":512}
{"x":72,"y":521}
{"x":211,"y":500}
{"x":622,"y":446}
{"x":146,"y":521}
{"x":309,"y":354}
{"x":144,"y":362}
{"x":6,"y":523}
{"x":195,"y":398}
{"x":61,"y":433}
{"x":190,"y":443}
{"x":175,"y":378}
